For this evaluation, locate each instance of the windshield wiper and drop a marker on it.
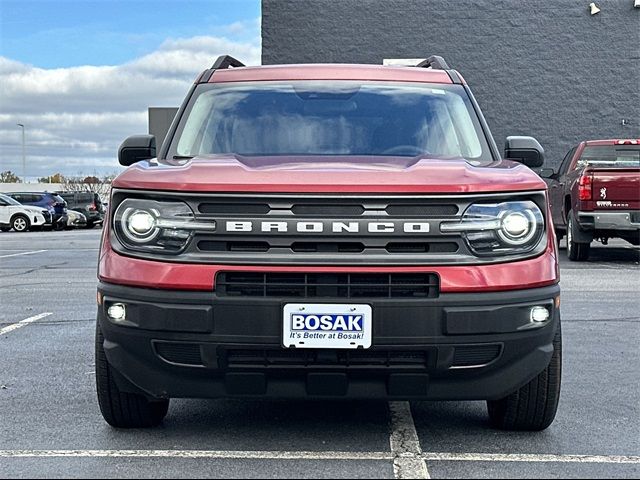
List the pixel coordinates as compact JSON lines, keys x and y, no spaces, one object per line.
{"x":182,"y":157}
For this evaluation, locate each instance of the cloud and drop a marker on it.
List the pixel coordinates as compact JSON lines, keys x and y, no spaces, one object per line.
{"x":76,"y":117}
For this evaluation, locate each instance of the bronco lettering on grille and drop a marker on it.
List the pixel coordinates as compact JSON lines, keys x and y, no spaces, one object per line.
{"x":328,"y":227}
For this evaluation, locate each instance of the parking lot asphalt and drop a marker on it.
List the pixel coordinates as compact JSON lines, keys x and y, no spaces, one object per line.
{"x":50,"y":424}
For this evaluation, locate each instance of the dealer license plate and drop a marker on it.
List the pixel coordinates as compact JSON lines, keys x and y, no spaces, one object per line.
{"x":322,"y":325}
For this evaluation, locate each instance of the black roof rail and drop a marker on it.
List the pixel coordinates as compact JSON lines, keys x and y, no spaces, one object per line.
{"x":436,"y":62}
{"x":225,"y":61}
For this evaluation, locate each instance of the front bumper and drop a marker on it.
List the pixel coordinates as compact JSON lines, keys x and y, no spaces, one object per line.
{"x":37,"y":220}
{"x":615,"y":221}
{"x":460,"y":346}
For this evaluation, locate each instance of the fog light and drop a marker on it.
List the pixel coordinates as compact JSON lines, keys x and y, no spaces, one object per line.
{"x":117,"y":312}
{"x":539,"y":314}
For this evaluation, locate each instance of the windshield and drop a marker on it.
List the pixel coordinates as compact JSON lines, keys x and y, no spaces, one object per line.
{"x":8,"y":200}
{"x":340,"y":118}
{"x":616,"y":156}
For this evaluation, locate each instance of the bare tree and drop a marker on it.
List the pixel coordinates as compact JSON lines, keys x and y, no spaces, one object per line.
{"x":8,"y":177}
{"x":99,"y":185}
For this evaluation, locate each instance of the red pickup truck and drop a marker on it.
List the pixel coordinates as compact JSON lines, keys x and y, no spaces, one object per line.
{"x":595,"y":194}
{"x":329,"y":231}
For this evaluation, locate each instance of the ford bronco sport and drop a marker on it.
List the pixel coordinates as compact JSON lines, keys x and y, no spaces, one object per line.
{"x":329,"y":232}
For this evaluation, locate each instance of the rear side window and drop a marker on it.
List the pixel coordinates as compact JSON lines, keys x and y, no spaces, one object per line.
{"x":27,"y":197}
{"x":611,"y":156}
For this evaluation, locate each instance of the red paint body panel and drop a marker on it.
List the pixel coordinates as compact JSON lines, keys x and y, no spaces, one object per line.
{"x":224,"y":173}
{"x":533,"y":273}
{"x":330,"y":72}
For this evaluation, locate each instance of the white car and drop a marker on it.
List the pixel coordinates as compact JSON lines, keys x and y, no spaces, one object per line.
{"x":19,"y":217}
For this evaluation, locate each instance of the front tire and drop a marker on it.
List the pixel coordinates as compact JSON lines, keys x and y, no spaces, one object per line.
{"x":122,"y":409}
{"x":20,"y":223}
{"x":534,"y":406}
{"x":577,"y":252}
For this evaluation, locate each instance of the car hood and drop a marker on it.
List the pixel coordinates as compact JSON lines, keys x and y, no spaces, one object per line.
{"x":30,"y":208}
{"x":320,"y":174}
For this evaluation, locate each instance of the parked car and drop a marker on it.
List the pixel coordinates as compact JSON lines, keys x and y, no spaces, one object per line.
{"x":329,"y":231}
{"x":53,"y":203}
{"x":87,"y":203}
{"x":595,"y":194}
{"x":76,"y":219}
{"x":21,"y":218}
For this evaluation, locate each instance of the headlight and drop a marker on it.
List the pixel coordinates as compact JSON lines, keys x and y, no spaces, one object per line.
{"x":506,"y":228}
{"x":151,"y":225}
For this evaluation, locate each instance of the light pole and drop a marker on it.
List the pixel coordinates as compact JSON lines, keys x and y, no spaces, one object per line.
{"x":24,"y":161}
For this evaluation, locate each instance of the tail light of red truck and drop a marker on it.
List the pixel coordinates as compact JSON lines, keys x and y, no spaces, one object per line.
{"x":585,"y":187}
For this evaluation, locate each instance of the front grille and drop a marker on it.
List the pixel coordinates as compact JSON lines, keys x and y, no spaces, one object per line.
{"x":267,"y":229}
{"x":317,"y":229}
{"x":261,"y":358}
{"x":335,"y":285}
{"x":475,"y":355}
{"x":180,"y":353}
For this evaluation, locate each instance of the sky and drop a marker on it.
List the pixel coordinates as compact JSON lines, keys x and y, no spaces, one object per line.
{"x":80,"y":74}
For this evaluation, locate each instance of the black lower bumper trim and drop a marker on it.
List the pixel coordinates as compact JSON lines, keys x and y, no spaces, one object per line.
{"x":458,"y":346}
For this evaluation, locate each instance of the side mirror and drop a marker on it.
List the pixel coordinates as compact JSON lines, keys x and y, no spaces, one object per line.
{"x":525,"y":150}
{"x":547,"y":173}
{"x":136,"y":148}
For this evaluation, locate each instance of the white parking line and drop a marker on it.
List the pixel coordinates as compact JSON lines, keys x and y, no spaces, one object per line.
{"x":516,"y":457}
{"x":24,"y":322}
{"x":224,"y":454}
{"x":325,"y":455}
{"x":405,"y":445}
{"x":22,"y":253}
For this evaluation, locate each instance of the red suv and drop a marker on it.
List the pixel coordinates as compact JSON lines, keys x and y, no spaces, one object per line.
{"x":329,"y":231}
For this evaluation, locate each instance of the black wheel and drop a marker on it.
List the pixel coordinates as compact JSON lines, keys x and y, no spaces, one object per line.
{"x":20,"y":223}
{"x":89,"y":225}
{"x":577,"y":252}
{"x":123,"y":409}
{"x":532,"y":407}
